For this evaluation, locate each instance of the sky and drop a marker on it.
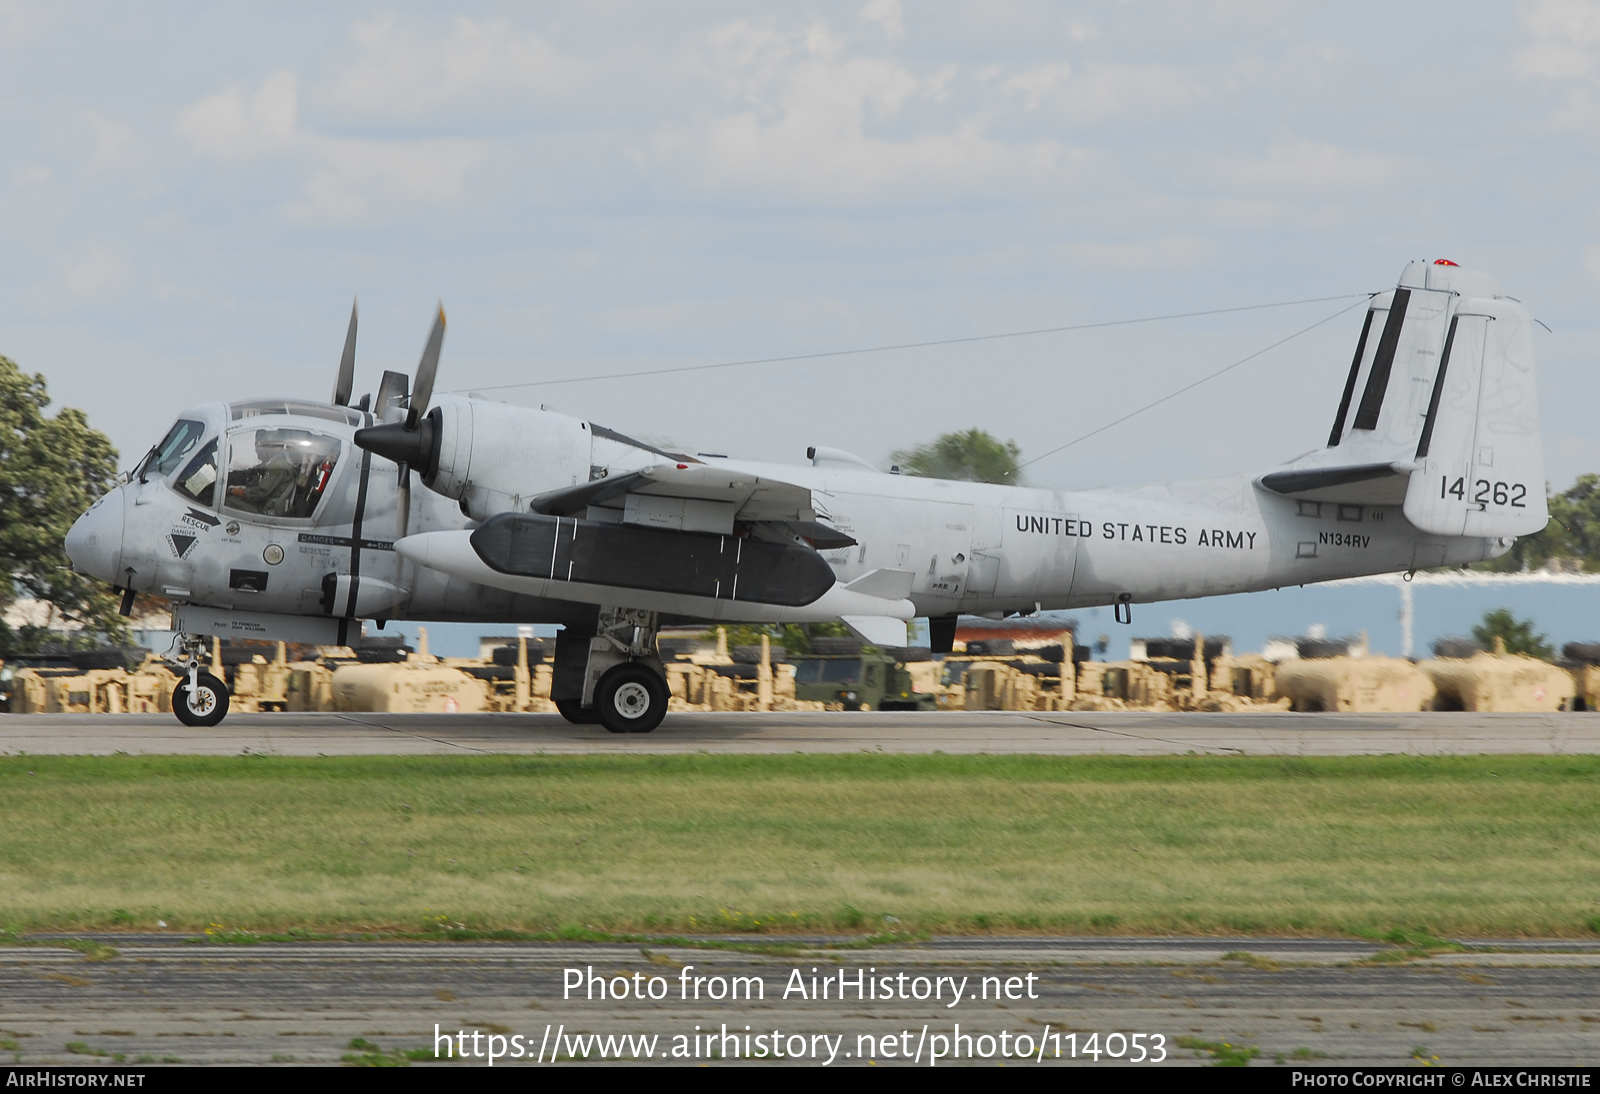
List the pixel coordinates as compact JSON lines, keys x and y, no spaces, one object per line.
{"x":192,"y":194}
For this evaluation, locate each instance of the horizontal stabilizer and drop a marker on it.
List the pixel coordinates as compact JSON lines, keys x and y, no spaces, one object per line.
{"x":1369,"y":483}
{"x":878,"y":630}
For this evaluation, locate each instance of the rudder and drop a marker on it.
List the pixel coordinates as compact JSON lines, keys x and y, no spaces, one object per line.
{"x":1480,"y":455}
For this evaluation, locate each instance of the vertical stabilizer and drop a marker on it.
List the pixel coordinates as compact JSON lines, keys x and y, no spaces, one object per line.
{"x":1480,"y":455}
{"x":1385,"y":398}
{"x":1439,"y":411}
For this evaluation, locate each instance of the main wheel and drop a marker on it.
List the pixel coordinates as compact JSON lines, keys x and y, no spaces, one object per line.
{"x":576,"y":713}
{"x":209,"y":703}
{"x":631,"y":698}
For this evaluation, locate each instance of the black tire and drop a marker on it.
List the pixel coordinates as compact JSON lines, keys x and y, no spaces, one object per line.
{"x":576,"y":713}
{"x":631,"y":698}
{"x":212,"y":699}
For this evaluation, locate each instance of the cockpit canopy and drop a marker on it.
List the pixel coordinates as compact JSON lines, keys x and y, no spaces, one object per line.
{"x":279,"y":472}
{"x":327,"y":412}
{"x":276,"y":467}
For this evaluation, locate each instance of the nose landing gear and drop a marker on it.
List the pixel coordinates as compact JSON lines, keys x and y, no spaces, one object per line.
{"x":200,"y":699}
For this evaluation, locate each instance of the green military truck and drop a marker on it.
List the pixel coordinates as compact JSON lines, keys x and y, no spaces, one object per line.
{"x":860,"y":679}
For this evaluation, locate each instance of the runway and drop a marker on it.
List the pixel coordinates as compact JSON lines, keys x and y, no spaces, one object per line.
{"x":166,"y":999}
{"x":1061,"y":734}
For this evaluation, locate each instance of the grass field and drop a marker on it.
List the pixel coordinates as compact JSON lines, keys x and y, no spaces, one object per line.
{"x":1474,"y":846}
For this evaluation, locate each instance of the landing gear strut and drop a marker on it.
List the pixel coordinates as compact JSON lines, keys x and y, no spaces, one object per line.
{"x":200,"y":699}
{"x":613,"y":677}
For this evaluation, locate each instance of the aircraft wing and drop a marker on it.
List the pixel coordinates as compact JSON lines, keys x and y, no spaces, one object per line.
{"x":695,"y":497}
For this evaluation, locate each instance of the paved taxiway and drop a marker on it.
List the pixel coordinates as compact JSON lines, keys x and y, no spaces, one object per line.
{"x":162,"y":998}
{"x":1075,"y":733}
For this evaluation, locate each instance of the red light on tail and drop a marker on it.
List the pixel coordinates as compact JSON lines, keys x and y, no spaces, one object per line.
{"x":1444,"y":262}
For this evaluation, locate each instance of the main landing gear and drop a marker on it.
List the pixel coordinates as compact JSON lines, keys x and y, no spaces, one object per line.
{"x":200,"y":699}
{"x":614,"y":676}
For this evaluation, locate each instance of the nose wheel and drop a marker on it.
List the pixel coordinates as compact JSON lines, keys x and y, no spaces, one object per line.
{"x":205,"y":704}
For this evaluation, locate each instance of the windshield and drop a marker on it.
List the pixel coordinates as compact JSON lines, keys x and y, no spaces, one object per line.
{"x":826,"y":672}
{"x":174,"y":448}
{"x":199,"y":480}
{"x":279,"y":472}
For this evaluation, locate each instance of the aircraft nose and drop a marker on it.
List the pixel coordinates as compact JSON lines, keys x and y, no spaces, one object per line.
{"x":94,"y":543}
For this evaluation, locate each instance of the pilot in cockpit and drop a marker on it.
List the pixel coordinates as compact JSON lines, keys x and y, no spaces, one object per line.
{"x":285,"y":474}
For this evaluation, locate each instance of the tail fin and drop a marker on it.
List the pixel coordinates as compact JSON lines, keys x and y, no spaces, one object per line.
{"x":1439,"y":411}
{"x":1480,"y":457}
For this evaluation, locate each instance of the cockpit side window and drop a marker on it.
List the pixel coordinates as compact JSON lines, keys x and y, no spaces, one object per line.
{"x":199,"y":480}
{"x":279,"y":472}
{"x":166,"y":457}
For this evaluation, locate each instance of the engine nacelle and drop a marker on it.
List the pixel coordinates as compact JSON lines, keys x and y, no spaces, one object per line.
{"x":492,"y":457}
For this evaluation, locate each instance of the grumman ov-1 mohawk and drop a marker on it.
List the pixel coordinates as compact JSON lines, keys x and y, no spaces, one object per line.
{"x":296,"y":520}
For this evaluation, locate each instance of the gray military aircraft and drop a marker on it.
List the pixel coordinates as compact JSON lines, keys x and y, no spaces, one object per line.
{"x":296,"y":520}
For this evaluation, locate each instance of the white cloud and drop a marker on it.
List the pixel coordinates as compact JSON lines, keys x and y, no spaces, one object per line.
{"x":346,"y":179}
{"x":113,"y":140}
{"x":1591,"y":264}
{"x":1551,"y":60}
{"x":353,"y":180}
{"x":94,"y":270}
{"x":1103,"y":91}
{"x":887,"y":14}
{"x":811,"y":119}
{"x":1574,"y":21}
{"x":21,"y":21}
{"x":406,"y":72}
{"x":1176,"y":252}
{"x":1304,"y":165}
{"x":1034,"y":84}
{"x":230,"y":125}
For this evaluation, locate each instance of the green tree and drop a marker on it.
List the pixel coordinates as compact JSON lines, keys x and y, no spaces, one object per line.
{"x":794,"y":637}
{"x":51,"y":470}
{"x":1572,"y":537}
{"x":973,"y":456}
{"x":1516,"y":633}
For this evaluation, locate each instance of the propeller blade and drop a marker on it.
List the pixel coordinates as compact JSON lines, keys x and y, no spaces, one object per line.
{"x":347,"y":364}
{"x":422,"y":389}
{"x":402,"y":506}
